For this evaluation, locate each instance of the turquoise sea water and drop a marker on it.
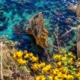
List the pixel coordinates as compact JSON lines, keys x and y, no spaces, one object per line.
{"x":15,"y":16}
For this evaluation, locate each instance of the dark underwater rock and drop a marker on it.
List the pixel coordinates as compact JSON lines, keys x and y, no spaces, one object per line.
{"x":2,"y":18}
{"x":3,"y":24}
{"x":3,"y":27}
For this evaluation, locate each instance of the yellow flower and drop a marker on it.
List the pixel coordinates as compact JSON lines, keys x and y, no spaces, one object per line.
{"x":34,"y":59}
{"x":43,"y":77}
{"x":59,"y":63}
{"x":42,"y":64}
{"x":21,"y":61}
{"x":18,"y":54}
{"x":52,"y":72}
{"x":50,"y":77}
{"x":35,"y":66}
{"x":30,"y":54}
{"x":56,"y":57}
{"x":38,"y":78}
{"x":64,"y":76}
{"x":59,"y":74}
{"x":46,"y":68}
{"x":70,"y":54}
{"x":56,"y":71}
{"x":26,"y":55}
{"x":78,"y":74}
{"x":63,"y":69}
{"x":56,"y":78}
{"x":64,"y":58}
{"x":70,"y":77}
{"x":24,"y":62}
{"x":70,"y":61}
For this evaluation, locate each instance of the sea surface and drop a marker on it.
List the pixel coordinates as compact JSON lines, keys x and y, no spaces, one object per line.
{"x":15,"y":16}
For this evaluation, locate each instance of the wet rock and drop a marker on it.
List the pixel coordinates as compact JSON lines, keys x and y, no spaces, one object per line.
{"x":37,"y":30}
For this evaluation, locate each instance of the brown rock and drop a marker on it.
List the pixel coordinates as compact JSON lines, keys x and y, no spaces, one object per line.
{"x":76,"y":8}
{"x":36,"y":28}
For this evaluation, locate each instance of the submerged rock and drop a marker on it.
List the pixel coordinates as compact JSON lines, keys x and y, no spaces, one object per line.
{"x":37,"y":30}
{"x":3,"y":24}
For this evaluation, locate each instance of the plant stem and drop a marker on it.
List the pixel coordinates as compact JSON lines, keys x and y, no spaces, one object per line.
{"x":1,"y":67}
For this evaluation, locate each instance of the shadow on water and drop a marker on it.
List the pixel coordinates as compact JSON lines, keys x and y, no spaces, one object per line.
{"x":26,"y":42}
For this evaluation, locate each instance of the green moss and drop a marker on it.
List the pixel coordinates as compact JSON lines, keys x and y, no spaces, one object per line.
{"x":5,"y":66}
{"x":24,"y":70}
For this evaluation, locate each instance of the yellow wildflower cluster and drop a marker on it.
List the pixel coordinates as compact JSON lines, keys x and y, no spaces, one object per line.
{"x":30,"y":56}
{"x":46,"y":68}
{"x":18,"y":56}
{"x":40,"y":77}
{"x":57,"y":57}
{"x":22,"y":57}
{"x":37,"y":66}
{"x":62,"y":66}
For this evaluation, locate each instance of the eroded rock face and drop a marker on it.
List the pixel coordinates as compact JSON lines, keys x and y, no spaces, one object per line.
{"x":76,"y":8}
{"x":37,"y":30}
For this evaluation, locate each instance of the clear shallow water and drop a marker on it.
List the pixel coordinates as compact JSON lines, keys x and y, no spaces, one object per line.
{"x":18,"y":13}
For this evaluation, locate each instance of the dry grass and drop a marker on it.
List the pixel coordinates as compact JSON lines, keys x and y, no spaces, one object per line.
{"x":11,"y":69}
